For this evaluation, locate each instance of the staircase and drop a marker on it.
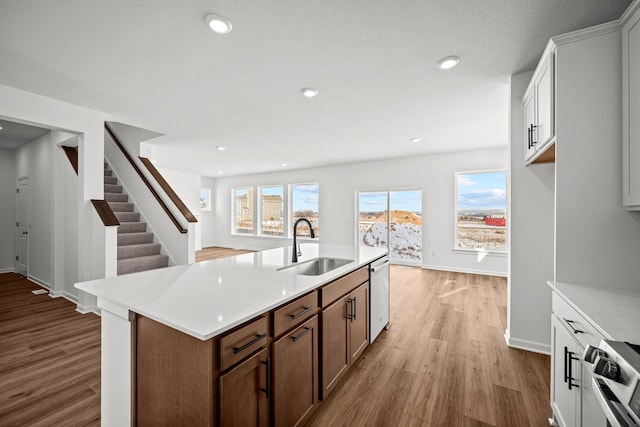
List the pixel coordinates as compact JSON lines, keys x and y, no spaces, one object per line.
{"x":136,"y":249}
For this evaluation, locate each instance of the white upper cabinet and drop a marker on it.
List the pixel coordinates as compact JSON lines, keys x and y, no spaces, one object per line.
{"x":631,"y":111}
{"x":539,"y":110}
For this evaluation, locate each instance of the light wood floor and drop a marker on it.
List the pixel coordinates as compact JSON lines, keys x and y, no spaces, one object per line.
{"x":215,"y":252}
{"x":443,"y":362}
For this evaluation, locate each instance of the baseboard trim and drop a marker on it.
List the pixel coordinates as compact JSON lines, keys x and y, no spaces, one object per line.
{"x":7,"y":270}
{"x":536,"y":347}
{"x":39,"y":282}
{"x":88,"y":309}
{"x":464,"y":270}
{"x":64,"y":294}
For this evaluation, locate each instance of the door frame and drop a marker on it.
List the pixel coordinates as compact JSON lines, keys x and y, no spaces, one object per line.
{"x":388,"y":192}
{"x":17,"y":246}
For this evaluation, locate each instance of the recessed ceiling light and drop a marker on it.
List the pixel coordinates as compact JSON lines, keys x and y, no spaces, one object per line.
{"x":0,"y":127}
{"x":284,"y":165}
{"x":220,"y":172}
{"x":448,"y":62}
{"x":218,"y":24}
{"x":416,"y":139}
{"x":220,"y":148}
{"x":309,"y":92}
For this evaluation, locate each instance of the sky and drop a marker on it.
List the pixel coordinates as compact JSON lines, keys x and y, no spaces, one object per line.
{"x":304,"y":197}
{"x":487,"y":190}
{"x":410,"y":200}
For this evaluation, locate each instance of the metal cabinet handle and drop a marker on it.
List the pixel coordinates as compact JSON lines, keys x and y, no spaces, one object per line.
{"x":570,"y":325}
{"x":267,"y":390}
{"x":350,"y":310}
{"x":237,"y":350}
{"x":570,"y":376}
{"x":529,"y":137}
{"x":532,"y":130}
{"x":305,"y":332}
{"x":355,"y":308}
{"x":566,"y":354}
{"x":295,"y":316}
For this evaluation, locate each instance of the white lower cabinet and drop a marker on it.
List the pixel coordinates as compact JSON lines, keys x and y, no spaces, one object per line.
{"x":572,"y":397}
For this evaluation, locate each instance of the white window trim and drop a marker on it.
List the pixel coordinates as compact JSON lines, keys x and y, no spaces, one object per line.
{"x":234,"y":231}
{"x":289,"y":219}
{"x":208,"y":206}
{"x":475,"y":251}
{"x":284,"y":209}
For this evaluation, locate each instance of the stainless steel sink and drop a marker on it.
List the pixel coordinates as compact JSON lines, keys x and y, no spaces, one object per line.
{"x":315,"y":267}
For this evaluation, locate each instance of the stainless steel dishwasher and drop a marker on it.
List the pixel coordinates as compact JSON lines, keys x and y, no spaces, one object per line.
{"x":379,"y":297}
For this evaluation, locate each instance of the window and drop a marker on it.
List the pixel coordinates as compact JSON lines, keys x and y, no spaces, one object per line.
{"x":205,"y":199}
{"x":393,"y":220}
{"x":272,"y":210}
{"x":243,"y":208}
{"x":304,"y":204}
{"x":481,"y":210}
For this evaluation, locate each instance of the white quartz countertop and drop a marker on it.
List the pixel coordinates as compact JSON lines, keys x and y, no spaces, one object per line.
{"x":614,"y":312}
{"x":208,"y":298}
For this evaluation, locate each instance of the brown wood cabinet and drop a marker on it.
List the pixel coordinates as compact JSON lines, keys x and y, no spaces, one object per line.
{"x":295,"y":375}
{"x":245,"y":391}
{"x":345,"y":332}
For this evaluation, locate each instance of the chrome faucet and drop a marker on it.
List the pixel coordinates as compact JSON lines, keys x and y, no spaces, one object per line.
{"x":296,"y":247}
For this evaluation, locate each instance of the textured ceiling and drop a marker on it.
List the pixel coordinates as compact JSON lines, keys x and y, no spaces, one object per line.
{"x":155,"y":65}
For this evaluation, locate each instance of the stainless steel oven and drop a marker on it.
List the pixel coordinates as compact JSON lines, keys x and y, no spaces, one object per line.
{"x":616,"y":381}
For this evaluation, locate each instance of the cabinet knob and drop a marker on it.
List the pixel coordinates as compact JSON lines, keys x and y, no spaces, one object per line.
{"x":605,"y":367}
{"x":591,"y":353}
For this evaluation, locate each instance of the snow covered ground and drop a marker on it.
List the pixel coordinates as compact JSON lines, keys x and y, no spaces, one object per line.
{"x":406,"y":240}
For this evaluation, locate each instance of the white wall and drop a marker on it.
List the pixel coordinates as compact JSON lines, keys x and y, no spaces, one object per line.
{"x":7,"y":211}
{"x":433,"y":174}
{"x":25,"y":107}
{"x":208,"y":218}
{"x":597,"y":241}
{"x":187,"y":187}
{"x":65,"y":193}
{"x":35,"y":161}
{"x":531,"y":236}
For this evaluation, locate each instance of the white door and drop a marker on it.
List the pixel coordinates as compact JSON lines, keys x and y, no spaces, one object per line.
{"x":22,"y":227}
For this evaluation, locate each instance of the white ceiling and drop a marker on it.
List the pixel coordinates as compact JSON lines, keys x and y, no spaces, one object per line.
{"x":155,"y":65}
{"x":15,"y":135}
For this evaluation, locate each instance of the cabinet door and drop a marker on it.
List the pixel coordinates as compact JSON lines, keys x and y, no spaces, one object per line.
{"x":359,"y":321}
{"x":631,"y":112}
{"x":335,"y":349}
{"x":529,"y":121}
{"x":295,"y":375}
{"x":590,"y":411}
{"x":565,"y":376}
{"x":244,"y":393}
{"x":544,"y":104}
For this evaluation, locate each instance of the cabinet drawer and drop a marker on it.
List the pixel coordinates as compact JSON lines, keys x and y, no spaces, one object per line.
{"x":343,"y":285}
{"x":581,"y":330}
{"x":240,"y":343}
{"x":294,"y":313}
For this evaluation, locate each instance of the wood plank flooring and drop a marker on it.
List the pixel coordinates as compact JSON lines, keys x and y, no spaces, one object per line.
{"x":215,"y":252}
{"x":443,"y":362}
{"x":49,"y":359}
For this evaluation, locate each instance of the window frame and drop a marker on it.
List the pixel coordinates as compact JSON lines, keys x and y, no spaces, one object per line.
{"x":259,"y":200}
{"x":290,"y":212}
{"x":207,"y":207}
{"x":234,"y":229}
{"x":287,"y":211}
{"x":484,"y":251}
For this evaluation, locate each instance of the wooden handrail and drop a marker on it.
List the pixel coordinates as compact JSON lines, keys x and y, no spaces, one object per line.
{"x":184,"y":210}
{"x":104,"y":212}
{"x":72,"y":155}
{"x":173,"y":219}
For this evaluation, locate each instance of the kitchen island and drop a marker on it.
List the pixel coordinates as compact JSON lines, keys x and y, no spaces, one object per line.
{"x":180,"y":344}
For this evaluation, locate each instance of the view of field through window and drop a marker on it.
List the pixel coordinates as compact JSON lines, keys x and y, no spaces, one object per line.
{"x":392,"y":220}
{"x":481,"y":210}
{"x":304,"y":204}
